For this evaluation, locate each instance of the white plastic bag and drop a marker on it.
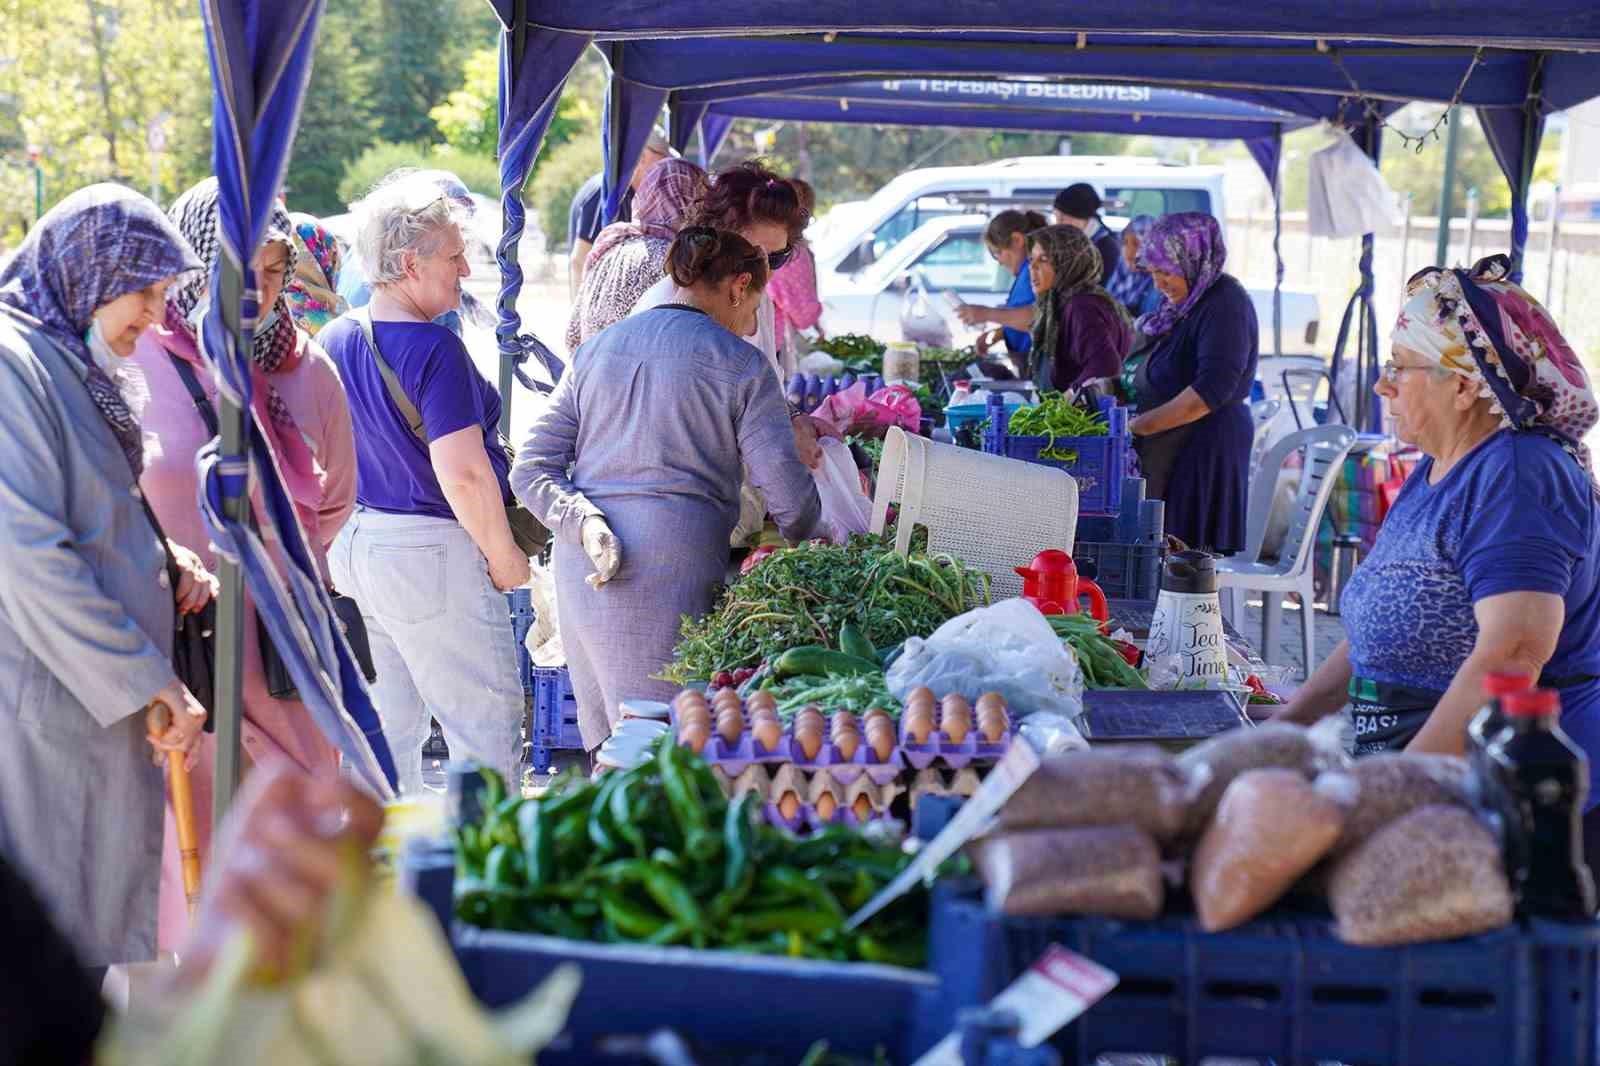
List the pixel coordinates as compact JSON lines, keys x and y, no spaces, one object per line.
{"x":1007,"y":648}
{"x":846,"y":510}
{"x":821,"y":364}
{"x":920,"y":320}
{"x":1348,"y":196}
{"x":544,"y":636}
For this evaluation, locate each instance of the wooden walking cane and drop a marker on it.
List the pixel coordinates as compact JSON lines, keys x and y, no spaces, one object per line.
{"x":188,"y":837}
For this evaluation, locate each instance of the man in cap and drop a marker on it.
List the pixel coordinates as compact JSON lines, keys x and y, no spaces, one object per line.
{"x":1079,"y":205}
{"x":586,"y":217}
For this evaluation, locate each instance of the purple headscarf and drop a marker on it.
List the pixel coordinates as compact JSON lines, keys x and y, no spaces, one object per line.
{"x":101,"y":242}
{"x":1190,"y":245}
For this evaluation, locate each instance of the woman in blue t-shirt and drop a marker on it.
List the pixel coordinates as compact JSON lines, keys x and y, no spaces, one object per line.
{"x":1490,"y":558}
{"x":1007,"y":240}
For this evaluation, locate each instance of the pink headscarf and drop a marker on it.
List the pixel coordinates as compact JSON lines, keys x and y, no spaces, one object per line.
{"x":666,"y":196}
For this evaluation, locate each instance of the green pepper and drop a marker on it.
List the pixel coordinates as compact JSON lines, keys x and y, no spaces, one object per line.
{"x":808,"y":920}
{"x":787,"y":882}
{"x":634,"y":922}
{"x":891,"y":953}
{"x":853,"y":642}
{"x":494,"y":788}
{"x":599,"y":811}
{"x":504,"y":866}
{"x":538,"y":842}
{"x":669,"y":893}
{"x":687,"y":807}
{"x":621,"y":815}
{"x":670,"y":933}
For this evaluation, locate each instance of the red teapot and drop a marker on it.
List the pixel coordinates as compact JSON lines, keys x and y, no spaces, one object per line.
{"x":1051,"y":583}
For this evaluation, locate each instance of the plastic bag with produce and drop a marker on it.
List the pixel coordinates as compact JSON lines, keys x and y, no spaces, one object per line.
{"x":1394,"y":784}
{"x":1113,"y":871}
{"x":1007,"y":648}
{"x":1274,"y":745}
{"x":1271,"y":827}
{"x":1138,"y":786}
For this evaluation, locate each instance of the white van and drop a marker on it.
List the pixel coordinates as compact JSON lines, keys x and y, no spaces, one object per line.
{"x":863,"y":270}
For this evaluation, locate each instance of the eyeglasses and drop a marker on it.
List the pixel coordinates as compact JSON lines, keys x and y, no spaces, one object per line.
{"x":776,"y":260}
{"x":1393,"y":370}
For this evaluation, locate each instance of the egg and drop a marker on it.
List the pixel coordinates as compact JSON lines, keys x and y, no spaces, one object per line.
{"x":841,"y":721}
{"x":862,"y":806}
{"x":993,"y":728}
{"x":789,"y":806}
{"x":880,"y":738}
{"x":767,"y":732}
{"x":955,"y":705}
{"x":877,"y":714}
{"x":826,"y":805}
{"x":762,"y":700}
{"x":694,"y":737}
{"x":991,"y":701}
{"x":695,"y":716}
{"x":848,"y":741}
{"x":921,"y":693}
{"x":956,"y":728}
{"x":730,"y":726}
{"x":918,"y":727}
{"x":687,"y":696}
{"x":810,"y":740}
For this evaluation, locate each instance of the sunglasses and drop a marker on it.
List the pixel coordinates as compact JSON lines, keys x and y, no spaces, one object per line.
{"x":776,"y":260}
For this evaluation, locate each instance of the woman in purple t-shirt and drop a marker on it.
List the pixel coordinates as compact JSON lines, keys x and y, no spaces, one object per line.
{"x":428,"y":551}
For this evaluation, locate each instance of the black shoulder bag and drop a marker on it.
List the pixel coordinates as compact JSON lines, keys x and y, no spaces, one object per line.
{"x":194,"y":636}
{"x":280,"y":683}
{"x":527,"y":531}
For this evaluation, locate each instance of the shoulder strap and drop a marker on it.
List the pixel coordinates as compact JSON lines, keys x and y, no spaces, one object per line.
{"x":408,"y":410}
{"x":197,"y":393}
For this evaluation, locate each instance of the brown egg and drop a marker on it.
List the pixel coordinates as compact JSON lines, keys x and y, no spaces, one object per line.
{"x":993,"y":728}
{"x":877,"y":714}
{"x":764,"y":714}
{"x":848,"y":741}
{"x":921,"y":693}
{"x":767,"y":732}
{"x":826,"y":805}
{"x":841,"y":721}
{"x":789,"y":806}
{"x":730,"y":725}
{"x":762,"y":700}
{"x":810,"y":740}
{"x":694,"y":737}
{"x":862,"y":806}
{"x":991,"y":701}
{"x":695,"y":716}
{"x":918,"y":726}
{"x":880,"y":738}
{"x":810,"y":717}
{"x":956,"y":728}
{"x":955,"y":705}
{"x":688,"y":696}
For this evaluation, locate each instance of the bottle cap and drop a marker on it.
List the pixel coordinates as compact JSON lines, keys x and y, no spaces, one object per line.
{"x":1531,"y":703}
{"x":1503,"y":684}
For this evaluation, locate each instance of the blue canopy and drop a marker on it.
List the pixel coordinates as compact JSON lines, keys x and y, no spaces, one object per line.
{"x":260,"y":55}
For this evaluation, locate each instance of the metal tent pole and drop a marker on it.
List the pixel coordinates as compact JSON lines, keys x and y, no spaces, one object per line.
{"x":1441,"y":248}
{"x":1555,"y":238}
{"x":228,"y":713}
{"x":508,"y":360}
{"x":1405,"y":244}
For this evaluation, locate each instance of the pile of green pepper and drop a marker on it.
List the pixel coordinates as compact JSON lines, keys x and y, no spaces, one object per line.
{"x":658,"y":855}
{"x":1102,"y":664}
{"x":1056,"y":417}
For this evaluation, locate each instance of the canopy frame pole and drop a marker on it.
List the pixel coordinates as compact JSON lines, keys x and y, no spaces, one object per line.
{"x":508,"y":359}
{"x":228,"y":681}
{"x":1447,"y":188}
{"x":1532,"y":133}
{"x":614,"y":130}
{"x":1277,"y":248}
{"x":1405,"y":243}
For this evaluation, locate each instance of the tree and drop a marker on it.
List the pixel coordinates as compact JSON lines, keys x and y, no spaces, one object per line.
{"x":337,"y":122}
{"x":468,"y":117}
{"x":418,"y":47}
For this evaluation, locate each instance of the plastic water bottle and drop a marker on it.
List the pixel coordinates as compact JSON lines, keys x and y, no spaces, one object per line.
{"x":1546,"y":777}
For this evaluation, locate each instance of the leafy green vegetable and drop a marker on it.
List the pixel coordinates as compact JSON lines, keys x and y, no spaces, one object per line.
{"x":1102,"y":664}
{"x":857,"y":693}
{"x":1056,"y":417}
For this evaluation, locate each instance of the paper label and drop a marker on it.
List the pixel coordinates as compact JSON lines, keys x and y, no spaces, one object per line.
{"x":1049,"y":994}
{"x":1018,"y":763}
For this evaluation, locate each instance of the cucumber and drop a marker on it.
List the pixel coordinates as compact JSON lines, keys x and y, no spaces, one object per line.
{"x":852,"y":642}
{"x":820,"y":661}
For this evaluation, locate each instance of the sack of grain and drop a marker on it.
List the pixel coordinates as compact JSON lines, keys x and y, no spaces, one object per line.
{"x":1432,"y":874}
{"x":1394,"y":784}
{"x":1275,"y":744}
{"x":1270,"y":828}
{"x":1114,"y":872}
{"x":1139,"y":786}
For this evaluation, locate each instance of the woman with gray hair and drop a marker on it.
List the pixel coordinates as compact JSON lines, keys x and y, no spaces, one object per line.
{"x":429,"y":548}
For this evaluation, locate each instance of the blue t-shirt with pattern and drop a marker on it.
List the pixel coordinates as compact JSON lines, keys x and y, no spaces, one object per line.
{"x":1517,"y":514}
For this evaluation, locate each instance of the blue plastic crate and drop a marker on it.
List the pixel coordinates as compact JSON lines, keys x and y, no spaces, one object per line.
{"x":1123,"y":571}
{"x":1286,"y":990}
{"x":1101,"y":465}
{"x":554,"y":725}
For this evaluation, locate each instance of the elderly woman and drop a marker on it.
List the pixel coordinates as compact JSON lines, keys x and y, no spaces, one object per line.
{"x":1006,"y":239}
{"x":1131,"y":285}
{"x":628,"y":256}
{"x":429,"y":549}
{"x":312,"y":291}
{"x":1193,"y":430}
{"x":642,"y":518}
{"x":86,"y":608}
{"x":301,"y":405}
{"x":1490,"y":558}
{"x":1079,"y":332}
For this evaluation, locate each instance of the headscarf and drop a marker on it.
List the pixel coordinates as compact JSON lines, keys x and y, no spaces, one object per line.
{"x":1077,"y":268}
{"x":276,"y":349}
{"x":101,"y":242}
{"x":667,"y":194}
{"x":312,"y":292}
{"x":1128,"y":283}
{"x":1480,"y":324}
{"x":1190,"y":245}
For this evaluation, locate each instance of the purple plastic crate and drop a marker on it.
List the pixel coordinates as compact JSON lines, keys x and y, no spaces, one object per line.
{"x":554,"y":721}
{"x":1102,"y":462}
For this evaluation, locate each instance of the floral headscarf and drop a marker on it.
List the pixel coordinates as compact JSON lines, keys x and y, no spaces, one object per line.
{"x":197,"y":216}
{"x":1481,"y":325}
{"x":1077,"y":268}
{"x":101,"y":242}
{"x":1128,"y":283}
{"x":1190,"y":245}
{"x":312,"y":292}
{"x":667,"y":195}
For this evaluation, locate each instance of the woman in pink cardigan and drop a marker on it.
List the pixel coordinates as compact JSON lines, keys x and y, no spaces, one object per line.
{"x":300,"y":401}
{"x":793,"y":287}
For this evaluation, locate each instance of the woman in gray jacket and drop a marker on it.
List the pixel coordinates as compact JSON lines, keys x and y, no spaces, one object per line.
{"x":86,"y":607}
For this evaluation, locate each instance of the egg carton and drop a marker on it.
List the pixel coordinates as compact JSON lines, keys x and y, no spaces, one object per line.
{"x":941,"y":750}
{"x":735,"y":756}
{"x":809,"y":790}
{"x":963,"y":784}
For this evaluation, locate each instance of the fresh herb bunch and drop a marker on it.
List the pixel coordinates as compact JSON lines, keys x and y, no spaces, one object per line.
{"x":857,"y":351}
{"x":657,"y":854}
{"x":858,"y":694}
{"x":805,"y":595}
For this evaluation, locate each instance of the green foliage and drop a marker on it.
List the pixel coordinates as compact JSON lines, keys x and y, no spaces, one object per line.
{"x":468,"y":117}
{"x":558,"y":180}
{"x":479,"y":173}
{"x":337,"y":122}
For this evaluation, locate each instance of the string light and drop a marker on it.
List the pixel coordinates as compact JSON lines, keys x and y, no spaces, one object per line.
{"x":1416,"y":142}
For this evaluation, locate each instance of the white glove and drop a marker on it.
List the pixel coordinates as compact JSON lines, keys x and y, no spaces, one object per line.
{"x":603,"y":549}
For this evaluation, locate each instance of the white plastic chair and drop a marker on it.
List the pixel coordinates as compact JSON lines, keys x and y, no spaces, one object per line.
{"x":1325,"y":449}
{"x":1264,"y":413}
{"x":991,"y":512}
